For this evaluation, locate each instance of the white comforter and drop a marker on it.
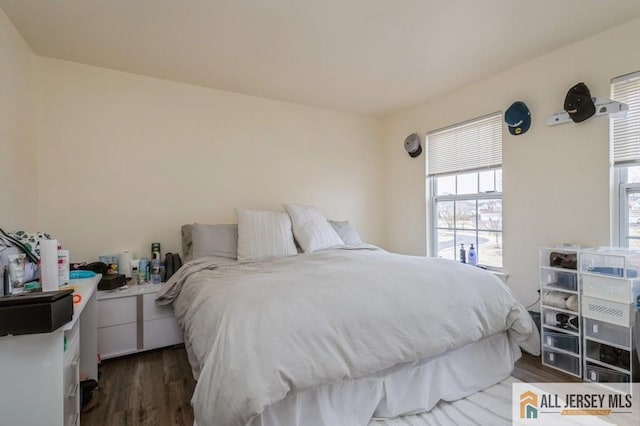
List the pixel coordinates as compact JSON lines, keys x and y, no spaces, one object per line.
{"x":259,"y":331}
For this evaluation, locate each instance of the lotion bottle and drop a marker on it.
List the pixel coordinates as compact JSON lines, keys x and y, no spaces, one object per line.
{"x":473,"y":260}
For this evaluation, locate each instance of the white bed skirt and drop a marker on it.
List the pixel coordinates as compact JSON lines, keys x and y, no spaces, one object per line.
{"x":402,"y":390}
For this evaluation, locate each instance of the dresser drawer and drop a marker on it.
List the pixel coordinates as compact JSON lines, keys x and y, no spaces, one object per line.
{"x":71,"y":382}
{"x":162,"y":332}
{"x":70,"y":366}
{"x":121,"y":310}
{"x":118,"y":340}
{"x":153,"y":311}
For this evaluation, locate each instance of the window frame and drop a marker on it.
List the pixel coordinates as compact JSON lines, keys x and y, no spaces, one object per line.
{"x":433,"y":220}
{"x":487,"y":164}
{"x":621,"y":201}
{"x":621,"y":187}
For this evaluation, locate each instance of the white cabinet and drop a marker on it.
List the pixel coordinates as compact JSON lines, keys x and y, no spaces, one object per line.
{"x":611,"y":288}
{"x":560,"y":310}
{"x":40,"y":373}
{"x":129,"y":321}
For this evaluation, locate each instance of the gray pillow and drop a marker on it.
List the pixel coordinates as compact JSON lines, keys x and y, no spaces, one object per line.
{"x":346,"y":232}
{"x":202,"y":240}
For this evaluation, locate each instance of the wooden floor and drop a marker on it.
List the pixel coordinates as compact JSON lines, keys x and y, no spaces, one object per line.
{"x":154,"y":388}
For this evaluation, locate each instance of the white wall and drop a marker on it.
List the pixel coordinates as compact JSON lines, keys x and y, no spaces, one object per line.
{"x":124,"y":160}
{"x":18,"y":191}
{"x":556,"y":179}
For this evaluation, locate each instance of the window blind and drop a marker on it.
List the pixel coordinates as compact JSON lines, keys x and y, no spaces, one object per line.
{"x":625,"y":131}
{"x":469,"y":146}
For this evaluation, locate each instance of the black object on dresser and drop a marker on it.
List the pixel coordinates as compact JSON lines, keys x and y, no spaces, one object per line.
{"x":29,"y":313}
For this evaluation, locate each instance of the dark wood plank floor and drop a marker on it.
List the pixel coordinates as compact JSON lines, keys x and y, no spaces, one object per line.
{"x":154,"y":388}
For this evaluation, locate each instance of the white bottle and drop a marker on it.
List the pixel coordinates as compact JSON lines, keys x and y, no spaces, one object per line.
{"x":63,"y":267}
{"x":473,"y":260}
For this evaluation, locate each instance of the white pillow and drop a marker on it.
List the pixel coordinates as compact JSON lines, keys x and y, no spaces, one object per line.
{"x":264,"y":234}
{"x":346,"y":232}
{"x":311,"y":229}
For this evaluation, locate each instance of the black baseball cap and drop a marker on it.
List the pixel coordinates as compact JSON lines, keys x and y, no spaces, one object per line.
{"x":578,"y":103}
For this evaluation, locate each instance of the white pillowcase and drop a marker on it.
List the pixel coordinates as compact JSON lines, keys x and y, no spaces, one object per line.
{"x":346,"y":232}
{"x":311,"y":229}
{"x":264,"y":234}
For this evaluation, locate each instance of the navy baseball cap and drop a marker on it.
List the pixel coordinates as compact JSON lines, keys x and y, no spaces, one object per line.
{"x":518,"y":118}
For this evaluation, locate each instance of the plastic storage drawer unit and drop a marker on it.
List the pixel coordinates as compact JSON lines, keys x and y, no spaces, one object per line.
{"x":558,"y":279}
{"x":607,"y":311}
{"x":615,"y":289}
{"x":610,"y":355}
{"x":610,"y":261}
{"x":564,"y":362}
{"x":561,"y":341}
{"x":607,"y":332}
{"x":558,"y":319}
{"x":605,"y":375}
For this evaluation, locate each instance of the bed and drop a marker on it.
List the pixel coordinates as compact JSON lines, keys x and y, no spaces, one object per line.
{"x":341,"y":335}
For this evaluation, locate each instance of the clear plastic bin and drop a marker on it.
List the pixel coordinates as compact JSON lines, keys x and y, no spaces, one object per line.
{"x":611,"y":261}
{"x":558,"y":279}
{"x":612,"y":333}
{"x":561,"y":320}
{"x":563,"y":257}
{"x":564,"y":362}
{"x":604,"y":375}
{"x":608,"y":354}
{"x":561,"y":341}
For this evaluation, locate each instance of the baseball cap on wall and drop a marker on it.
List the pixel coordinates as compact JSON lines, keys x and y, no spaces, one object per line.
{"x":578,"y":103}
{"x":412,"y":145}
{"x":518,"y":118}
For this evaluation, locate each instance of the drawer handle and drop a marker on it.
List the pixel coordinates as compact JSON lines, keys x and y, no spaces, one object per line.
{"x":552,"y":357}
{"x":73,"y":390}
{"x":594,"y":327}
{"x":594,"y":376}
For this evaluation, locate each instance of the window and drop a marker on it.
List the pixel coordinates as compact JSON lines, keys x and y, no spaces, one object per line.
{"x":464,"y":173}
{"x":625,"y":138}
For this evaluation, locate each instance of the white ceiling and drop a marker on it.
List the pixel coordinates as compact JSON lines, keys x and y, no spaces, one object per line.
{"x":369,"y":56}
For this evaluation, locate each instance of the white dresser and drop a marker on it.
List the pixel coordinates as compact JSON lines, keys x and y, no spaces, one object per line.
{"x":40,"y":373}
{"x":129,"y":321}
